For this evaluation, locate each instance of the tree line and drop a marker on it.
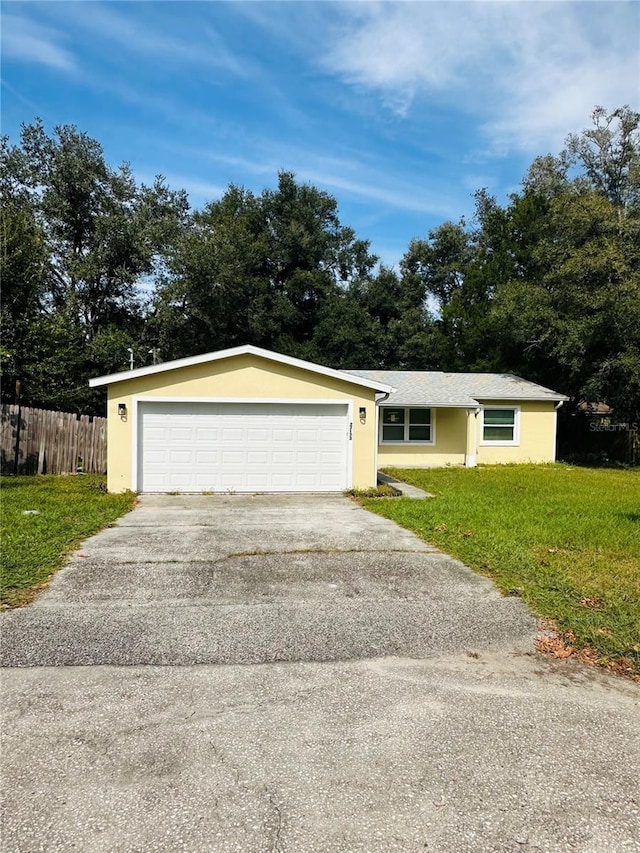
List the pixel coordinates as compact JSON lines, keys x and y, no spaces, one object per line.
{"x":95,"y":265}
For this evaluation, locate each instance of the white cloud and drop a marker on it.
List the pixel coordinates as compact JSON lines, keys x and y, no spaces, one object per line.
{"x":24,"y":40}
{"x":144,"y":30}
{"x":371,"y":182}
{"x":530,"y":72}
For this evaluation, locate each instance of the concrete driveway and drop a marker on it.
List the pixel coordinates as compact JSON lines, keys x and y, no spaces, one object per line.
{"x":279,"y":673}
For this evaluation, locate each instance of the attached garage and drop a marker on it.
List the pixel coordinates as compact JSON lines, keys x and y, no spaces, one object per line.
{"x":242,"y":447}
{"x":241,"y":420}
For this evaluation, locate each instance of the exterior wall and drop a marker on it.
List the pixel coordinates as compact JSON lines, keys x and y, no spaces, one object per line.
{"x":449,"y":449}
{"x":537,"y":439}
{"x":537,"y":435}
{"x":239,"y":377}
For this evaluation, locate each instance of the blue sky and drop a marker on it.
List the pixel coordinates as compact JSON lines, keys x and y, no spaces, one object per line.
{"x":399,"y":110}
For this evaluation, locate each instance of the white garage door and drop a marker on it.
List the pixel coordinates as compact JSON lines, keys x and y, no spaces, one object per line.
{"x":243,"y":447}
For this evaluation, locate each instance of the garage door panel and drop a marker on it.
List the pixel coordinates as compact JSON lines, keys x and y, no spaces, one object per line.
{"x":180,"y":433}
{"x":258,"y":482}
{"x":204,"y":434}
{"x":242,"y":447}
{"x":206,"y":457}
{"x":258,"y":435}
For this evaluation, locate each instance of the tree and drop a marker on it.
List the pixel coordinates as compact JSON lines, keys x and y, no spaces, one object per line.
{"x":24,"y":270}
{"x":609,"y":153}
{"x":261,"y":269}
{"x":96,"y":235}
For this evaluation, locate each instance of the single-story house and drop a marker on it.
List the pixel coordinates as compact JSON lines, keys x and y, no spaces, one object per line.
{"x":250,"y":420}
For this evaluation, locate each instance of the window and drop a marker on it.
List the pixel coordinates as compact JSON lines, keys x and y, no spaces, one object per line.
{"x":500,"y":426}
{"x":406,"y":425}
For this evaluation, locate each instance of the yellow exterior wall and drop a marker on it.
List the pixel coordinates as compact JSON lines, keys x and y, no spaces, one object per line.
{"x":449,"y":449}
{"x":241,"y":377}
{"x":537,"y":435}
{"x":537,"y":440}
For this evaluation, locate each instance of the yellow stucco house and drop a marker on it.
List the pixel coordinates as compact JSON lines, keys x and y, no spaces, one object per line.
{"x":250,"y":420}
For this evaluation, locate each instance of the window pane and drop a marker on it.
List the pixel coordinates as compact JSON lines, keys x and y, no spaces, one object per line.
{"x":500,"y":416}
{"x":419,"y":416}
{"x":498,"y":433}
{"x":392,"y":416}
{"x":419,"y":433}
{"x":393,"y":433}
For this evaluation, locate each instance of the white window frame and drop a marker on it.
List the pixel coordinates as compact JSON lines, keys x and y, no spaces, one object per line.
{"x":406,"y":442}
{"x":488,"y":442}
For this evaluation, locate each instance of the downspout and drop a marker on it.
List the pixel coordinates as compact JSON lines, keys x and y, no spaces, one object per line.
{"x":380,"y":399}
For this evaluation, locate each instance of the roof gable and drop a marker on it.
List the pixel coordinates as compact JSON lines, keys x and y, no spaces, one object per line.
{"x":248,"y":349}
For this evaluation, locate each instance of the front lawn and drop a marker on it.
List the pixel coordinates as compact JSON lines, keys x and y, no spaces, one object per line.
{"x":42,"y":520}
{"x":565,"y":539}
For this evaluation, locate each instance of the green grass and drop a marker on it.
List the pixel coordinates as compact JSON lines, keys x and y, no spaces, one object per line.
{"x":565,"y":539}
{"x":33,"y":546}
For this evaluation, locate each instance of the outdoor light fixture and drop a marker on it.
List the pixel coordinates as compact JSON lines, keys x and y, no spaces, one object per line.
{"x":122,"y":410}
{"x":363,"y":414}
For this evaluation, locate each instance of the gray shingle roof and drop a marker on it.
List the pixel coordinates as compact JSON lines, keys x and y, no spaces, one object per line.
{"x":413,"y":387}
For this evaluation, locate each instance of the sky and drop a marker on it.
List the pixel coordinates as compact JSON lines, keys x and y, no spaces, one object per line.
{"x":400,"y":110}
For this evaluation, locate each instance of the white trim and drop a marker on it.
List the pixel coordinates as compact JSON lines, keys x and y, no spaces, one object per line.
{"x":515,"y":442}
{"x":231,"y":353}
{"x":549,"y":398}
{"x":376,"y":443}
{"x":275,"y":400}
{"x":134,"y":443}
{"x":470,"y":460}
{"x":140,"y":398}
{"x":407,"y":443}
{"x":428,"y":405}
{"x":350,"y":433}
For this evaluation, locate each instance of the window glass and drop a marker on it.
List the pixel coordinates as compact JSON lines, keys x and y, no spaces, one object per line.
{"x":393,"y":416}
{"x":419,"y":433}
{"x":499,"y":424}
{"x":399,"y":425}
{"x":502,"y":417}
{"x":419,"y":416}
{"x":392,"y":433}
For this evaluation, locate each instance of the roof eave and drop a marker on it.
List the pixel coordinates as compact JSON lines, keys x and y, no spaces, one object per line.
{"x":469,"y":404}
{"x":551,"y":398}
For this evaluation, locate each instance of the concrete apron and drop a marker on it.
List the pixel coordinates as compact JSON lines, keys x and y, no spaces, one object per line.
{"x":402,"y":707}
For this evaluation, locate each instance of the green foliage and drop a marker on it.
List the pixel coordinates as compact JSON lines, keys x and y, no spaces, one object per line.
{"x":69,"y":509}
{"x":564,"y":539}
{"x":546,"y":286}
{"x":78,"y":238}
{"x":267,"y":270}
{"x":24,"y":268}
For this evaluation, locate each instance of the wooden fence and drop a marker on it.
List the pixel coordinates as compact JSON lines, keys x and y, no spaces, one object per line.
{"x":51,"y":442}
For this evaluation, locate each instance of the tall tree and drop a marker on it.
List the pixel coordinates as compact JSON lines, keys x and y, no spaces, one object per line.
{"x":102,"y":235}
{"x":260,"y":269}
{"x":569,"y":311}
